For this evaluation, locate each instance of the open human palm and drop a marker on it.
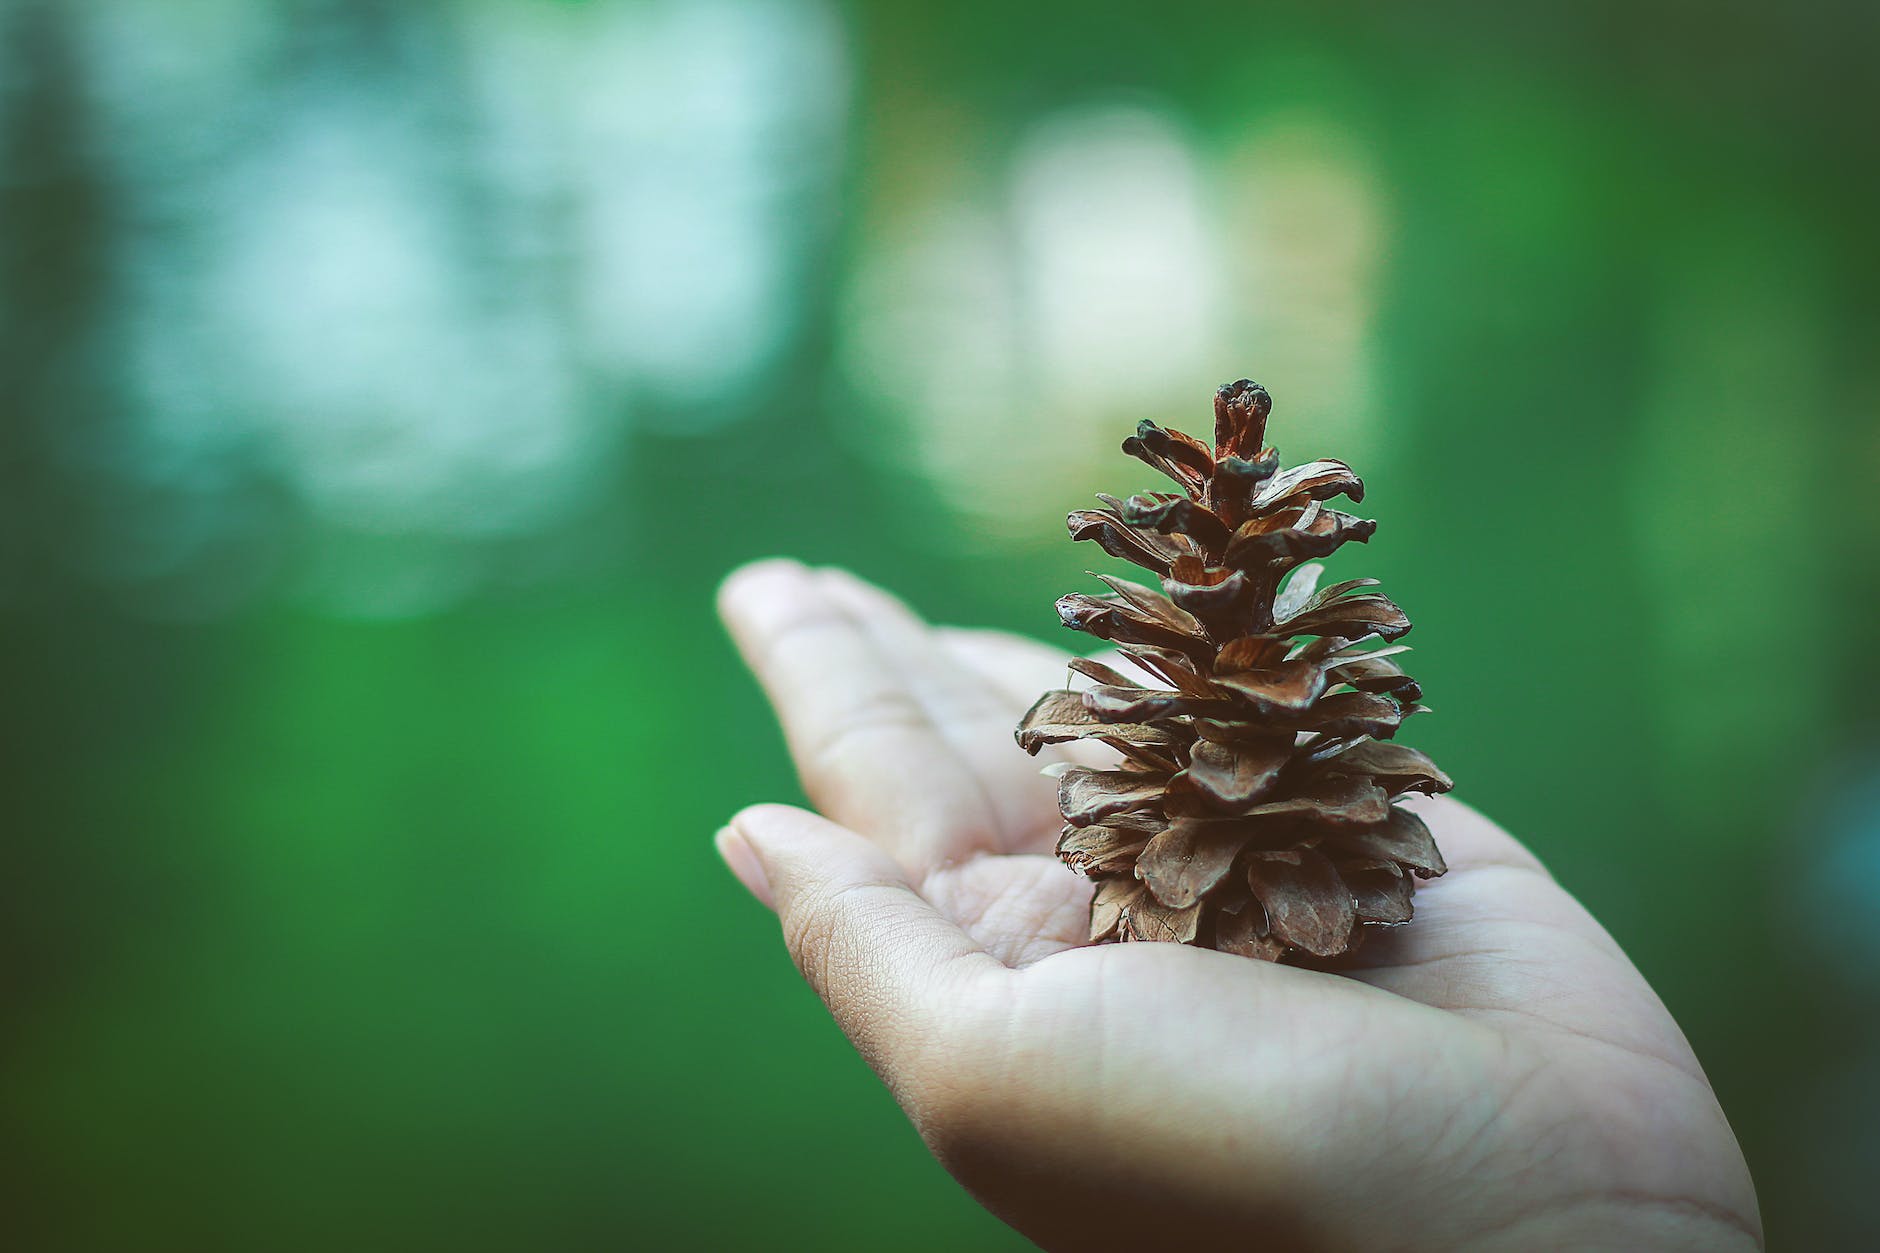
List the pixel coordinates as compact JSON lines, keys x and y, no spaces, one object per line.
{"x":1495,"y":1075}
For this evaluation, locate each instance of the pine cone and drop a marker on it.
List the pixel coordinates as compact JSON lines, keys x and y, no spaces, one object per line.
{"x":1252,"y":809}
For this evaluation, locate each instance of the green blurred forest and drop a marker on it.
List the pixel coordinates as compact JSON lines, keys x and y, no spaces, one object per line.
{"x":387,"y":387}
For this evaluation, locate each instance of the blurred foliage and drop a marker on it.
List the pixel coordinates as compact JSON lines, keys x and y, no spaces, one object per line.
{"x":367,"y":722}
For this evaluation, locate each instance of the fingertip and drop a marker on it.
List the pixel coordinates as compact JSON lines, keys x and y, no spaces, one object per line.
{"x":781,"y":838}
{"x":770,"y":820}
{"x":853,"y":922}
{"x":745,"y":866}
{"x":790,"y":843}
{"x":757,"y":580}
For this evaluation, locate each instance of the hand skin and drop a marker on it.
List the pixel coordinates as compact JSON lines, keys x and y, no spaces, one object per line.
{"x":1493,"y":1076}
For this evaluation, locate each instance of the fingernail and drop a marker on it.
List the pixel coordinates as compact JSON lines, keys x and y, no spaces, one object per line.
{"x":742,"y":861}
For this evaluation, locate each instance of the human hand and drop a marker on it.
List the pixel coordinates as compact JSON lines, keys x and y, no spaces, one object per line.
{"x":1494,"y":1076}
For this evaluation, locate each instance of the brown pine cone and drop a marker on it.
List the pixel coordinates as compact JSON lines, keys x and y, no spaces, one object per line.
{"x":1252,"y":807}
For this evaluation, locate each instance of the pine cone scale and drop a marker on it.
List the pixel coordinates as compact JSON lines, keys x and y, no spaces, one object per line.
{"x":1187,"y":861}
{"x":1236,"y":776}
{"x":1307,"y":902}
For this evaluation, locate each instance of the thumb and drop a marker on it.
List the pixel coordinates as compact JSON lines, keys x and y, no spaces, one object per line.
{"x":883,"y":960}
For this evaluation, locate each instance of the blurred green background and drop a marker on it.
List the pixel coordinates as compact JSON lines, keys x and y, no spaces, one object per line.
{"x":386,"y":387}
